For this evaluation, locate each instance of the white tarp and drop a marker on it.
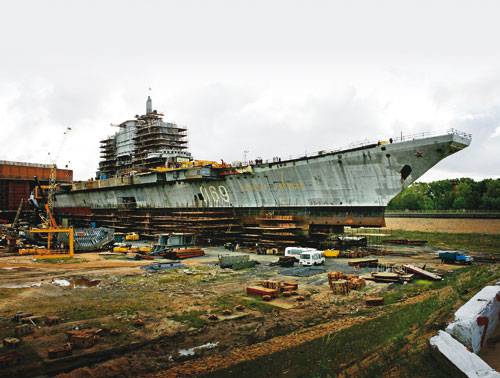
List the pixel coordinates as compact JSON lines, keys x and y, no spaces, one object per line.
{"x":465,"y":327}
{"x":468,"y":363}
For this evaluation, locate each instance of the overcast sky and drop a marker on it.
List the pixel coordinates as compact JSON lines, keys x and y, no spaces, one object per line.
{"x":270,"y":77}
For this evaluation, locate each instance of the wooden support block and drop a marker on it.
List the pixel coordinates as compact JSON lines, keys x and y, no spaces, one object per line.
{"x":340,"y":287}
{"x":261,"y":291}
{"x":374,"y":301}
{"x":63,"y":351}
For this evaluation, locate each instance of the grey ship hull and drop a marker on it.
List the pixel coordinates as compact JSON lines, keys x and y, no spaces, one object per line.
{"x":332,"y":188}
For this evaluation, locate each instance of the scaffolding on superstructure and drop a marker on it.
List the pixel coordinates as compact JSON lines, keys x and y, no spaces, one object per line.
{"x":143,"y":143}
{"x":157,"y":143}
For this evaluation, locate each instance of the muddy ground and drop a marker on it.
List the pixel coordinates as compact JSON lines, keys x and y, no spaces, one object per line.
{"x":195,"y":316}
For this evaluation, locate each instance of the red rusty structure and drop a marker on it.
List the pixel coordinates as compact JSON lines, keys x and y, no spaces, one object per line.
{"x":16,"y":183}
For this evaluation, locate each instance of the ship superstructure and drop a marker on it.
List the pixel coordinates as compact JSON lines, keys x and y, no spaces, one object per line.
{"x":141,"y":143}
{"x":276,"y":202}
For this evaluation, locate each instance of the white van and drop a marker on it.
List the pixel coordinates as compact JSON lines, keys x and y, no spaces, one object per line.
{"x":296,"y":251}
{"x":311,"y":258}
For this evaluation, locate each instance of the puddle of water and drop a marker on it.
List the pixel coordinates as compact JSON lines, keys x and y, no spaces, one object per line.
{"x":59,"y":282}
{"x":192,"y":351}
{"x":75,"y":283}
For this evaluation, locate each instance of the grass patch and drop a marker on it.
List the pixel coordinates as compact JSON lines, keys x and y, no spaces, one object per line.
{"x":257,"y":304}
{"x":489,"y":243}
{"x":175,"y":276}
{"x":192,"y":318}
{"x":224,"y":302}
{"x":423,"y":283}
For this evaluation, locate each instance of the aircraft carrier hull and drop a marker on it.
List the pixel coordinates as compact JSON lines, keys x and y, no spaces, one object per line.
{"x":313,"y":194}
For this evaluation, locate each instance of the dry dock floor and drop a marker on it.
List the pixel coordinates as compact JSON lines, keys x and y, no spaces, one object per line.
{"x":155,"y":323}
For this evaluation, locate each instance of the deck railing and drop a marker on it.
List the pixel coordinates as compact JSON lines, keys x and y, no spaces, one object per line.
{"x":359,"y":144}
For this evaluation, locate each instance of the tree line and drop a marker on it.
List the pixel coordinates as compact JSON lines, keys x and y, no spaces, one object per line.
{"x":457,"y":194}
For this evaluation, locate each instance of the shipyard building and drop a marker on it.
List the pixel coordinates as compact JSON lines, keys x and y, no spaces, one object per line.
{"x":17,"y":183}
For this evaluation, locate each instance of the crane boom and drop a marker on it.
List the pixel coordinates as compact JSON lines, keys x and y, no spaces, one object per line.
{"x":49,"y":207}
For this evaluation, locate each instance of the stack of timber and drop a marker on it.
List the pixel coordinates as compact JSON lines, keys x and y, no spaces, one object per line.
{"x":275,"y":231}
{"x":262,"y":291}
{"x":363,"y":262}
{"x":211,"y":227}
{"x":184,"y":253}
{"x":341,"y":283}
{"x":354,"y":253}
{"x":340,"y":287}
{"x":279,"y":285}
{"x":271,"y":288}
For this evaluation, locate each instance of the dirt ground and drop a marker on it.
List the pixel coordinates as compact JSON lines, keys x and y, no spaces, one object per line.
{"x":449,"y":225}
{"x":163,"y":321}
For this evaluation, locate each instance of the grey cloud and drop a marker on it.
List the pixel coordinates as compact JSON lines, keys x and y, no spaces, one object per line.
{"x":275,"y":78}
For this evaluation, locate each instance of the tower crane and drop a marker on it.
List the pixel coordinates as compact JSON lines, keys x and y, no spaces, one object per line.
{"x":49,"y":206}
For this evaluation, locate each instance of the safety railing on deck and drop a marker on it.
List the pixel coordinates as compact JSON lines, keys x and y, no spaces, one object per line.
{"x":358,"y":144}
{"x":404,"y":138}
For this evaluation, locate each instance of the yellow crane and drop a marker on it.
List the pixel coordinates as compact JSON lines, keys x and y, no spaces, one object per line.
{"x":50,"y":226}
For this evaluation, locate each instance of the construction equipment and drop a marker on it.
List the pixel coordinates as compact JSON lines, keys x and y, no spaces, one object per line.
{"x":49,"y":224}
{"x":284,"y":261}
{"x":50,"y":252}
{"x":177,"y":246}
{"x":331,"y":253}
{"x":455,"y":257}
{"x":132,"y":236}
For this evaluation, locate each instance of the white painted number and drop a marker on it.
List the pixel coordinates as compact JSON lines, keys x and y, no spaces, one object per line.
{"x":215,"y":194}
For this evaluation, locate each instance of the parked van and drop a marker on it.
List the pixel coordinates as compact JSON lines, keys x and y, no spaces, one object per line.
{"x":311,"y":258}
{"x":296,"y":251}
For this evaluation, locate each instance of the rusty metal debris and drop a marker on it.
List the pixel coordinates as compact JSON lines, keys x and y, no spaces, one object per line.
{"x":388,"y":277}
{"x":422,"y":272}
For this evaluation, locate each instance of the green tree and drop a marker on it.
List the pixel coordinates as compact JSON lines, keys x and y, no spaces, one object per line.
{"x":463,"y":193}
{"x":490,"y":200}
{"x":442,"y":195}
